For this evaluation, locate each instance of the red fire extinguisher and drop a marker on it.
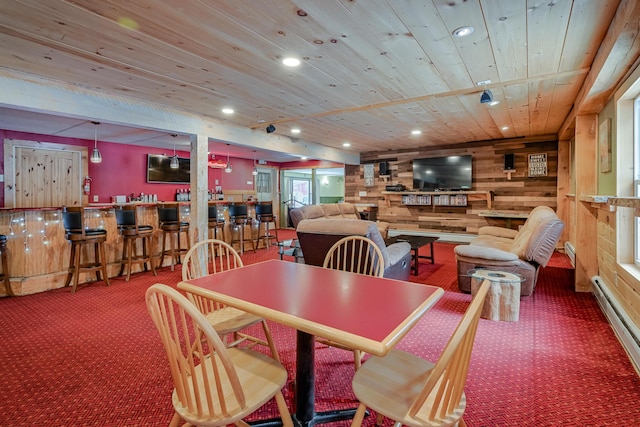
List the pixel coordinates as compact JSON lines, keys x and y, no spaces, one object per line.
{"x":86,"y":186}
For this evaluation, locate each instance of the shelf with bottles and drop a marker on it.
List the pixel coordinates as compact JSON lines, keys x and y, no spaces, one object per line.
{"x":184,"y":195}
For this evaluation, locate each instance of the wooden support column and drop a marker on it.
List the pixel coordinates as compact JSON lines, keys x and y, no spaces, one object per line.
{"x":585,"y":220}
{"x":199,"y":184}
{"x":564,"y":186}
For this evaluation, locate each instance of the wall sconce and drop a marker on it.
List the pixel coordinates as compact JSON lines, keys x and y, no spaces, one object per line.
{"x":96,"y":157}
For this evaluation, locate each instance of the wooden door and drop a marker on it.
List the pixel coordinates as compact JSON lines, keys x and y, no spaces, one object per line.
{"x":40,"y":175}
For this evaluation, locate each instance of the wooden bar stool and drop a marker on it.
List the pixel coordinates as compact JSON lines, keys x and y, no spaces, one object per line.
{"x":169,"y":220}
{"x":80,"y":236}
{"x":215,"y":222}
{"x":131,"y":232}
{"x":5,"y":265}
{"x":264,"y":215}
{"x":238,"y":220}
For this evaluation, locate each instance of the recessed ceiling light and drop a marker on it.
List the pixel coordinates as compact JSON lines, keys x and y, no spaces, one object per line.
{"x":416,"y":132}
{"x":504,"y":127}
{"x":492,"y":103}
{"x":291,"y":62}
{"x":346,"y":144}
{"x":462,"y":31}
{"x":303,"y":157}
{"x":227,"y":110}
{"x":295,"y":130}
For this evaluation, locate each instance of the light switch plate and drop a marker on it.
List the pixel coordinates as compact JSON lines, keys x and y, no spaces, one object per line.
{"x":95,"y":198}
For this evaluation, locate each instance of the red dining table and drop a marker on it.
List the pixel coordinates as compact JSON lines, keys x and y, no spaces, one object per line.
{"x":368,"y":313}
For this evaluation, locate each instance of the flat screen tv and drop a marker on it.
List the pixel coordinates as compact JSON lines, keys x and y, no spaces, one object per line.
{"x":442,"y":173}
{"x":158,"y":169}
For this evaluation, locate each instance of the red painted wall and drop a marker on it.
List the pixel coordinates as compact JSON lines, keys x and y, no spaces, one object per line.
{"x":124,"y":169}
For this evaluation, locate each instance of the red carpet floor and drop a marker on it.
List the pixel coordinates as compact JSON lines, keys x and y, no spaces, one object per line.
{"x":94,"y":359}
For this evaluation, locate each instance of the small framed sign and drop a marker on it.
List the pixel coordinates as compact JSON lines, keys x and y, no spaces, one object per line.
{"x":538,"y":164}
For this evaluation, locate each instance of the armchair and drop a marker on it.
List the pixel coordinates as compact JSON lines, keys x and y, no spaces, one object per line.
{"x":317,"y":236}
{"x":521,"y":251}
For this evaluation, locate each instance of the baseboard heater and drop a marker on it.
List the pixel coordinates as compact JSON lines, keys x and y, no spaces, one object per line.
{"x":627,"y":332}
{"x":570,"y":250}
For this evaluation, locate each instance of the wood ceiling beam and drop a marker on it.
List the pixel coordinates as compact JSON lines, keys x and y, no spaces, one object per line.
{"x":465,"y":91}
{"x":616,"y":58}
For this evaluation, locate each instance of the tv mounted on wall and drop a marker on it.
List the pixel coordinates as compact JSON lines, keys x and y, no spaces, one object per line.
{"x":449,"y":173}
{"x":158,"y":169}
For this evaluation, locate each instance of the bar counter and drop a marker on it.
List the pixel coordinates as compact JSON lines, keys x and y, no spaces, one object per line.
{"x":39,"y":253}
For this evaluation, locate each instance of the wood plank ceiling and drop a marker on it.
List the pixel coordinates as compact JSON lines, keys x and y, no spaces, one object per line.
{"x":372,"y":71}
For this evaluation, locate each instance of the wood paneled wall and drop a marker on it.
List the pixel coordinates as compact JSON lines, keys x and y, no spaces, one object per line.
{"x":520,"y":193}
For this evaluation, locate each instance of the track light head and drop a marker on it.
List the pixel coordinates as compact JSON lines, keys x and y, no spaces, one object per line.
{"x":486,"y":97}
{"x":271,"y":129}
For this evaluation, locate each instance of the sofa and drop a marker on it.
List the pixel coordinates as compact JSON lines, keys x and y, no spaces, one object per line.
{"x":521,"y":251}
{"x":316,"y":236}
{"x":331,"y":211}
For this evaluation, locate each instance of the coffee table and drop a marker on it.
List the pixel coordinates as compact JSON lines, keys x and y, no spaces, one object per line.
{"x":290,"y":248}
{"x":416,"y":243}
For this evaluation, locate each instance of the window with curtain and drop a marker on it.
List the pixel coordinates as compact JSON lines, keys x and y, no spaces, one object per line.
{"x":263,"y":182}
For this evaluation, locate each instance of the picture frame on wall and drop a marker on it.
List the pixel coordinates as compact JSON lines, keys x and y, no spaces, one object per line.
{"x":604,"y":146}
{"x":537,"y":165}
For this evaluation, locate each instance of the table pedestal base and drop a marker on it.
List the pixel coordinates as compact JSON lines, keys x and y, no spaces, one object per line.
{"x":305,"y":414}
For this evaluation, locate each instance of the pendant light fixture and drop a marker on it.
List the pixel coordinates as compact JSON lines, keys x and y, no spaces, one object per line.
{"x":96,"y":157}
{"x":255,"y":169}
{"x":174,"y":163}
{"x":228,"y":168}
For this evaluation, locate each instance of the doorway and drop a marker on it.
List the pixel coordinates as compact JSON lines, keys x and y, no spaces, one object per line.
{"x":40,"y":174}
{"x":310,"y":187}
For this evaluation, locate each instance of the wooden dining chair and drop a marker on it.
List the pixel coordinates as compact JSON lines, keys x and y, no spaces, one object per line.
{"x":415,"y":392}
{"x":214,"y":385}
{"x":357,"y":254}
{"x":213,"y":256}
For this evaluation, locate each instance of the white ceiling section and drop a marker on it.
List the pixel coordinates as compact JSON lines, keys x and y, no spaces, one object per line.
{"x":371,"y":71}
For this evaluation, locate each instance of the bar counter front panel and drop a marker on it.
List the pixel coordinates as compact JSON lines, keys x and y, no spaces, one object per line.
{"x":39,"y":253}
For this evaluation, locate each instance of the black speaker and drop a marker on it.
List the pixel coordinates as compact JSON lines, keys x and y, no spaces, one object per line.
{"x":509,"y":162}
{"x":384,"y":168}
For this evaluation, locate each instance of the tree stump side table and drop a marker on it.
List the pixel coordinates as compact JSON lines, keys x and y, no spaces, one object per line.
{"x":503,"y":299}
